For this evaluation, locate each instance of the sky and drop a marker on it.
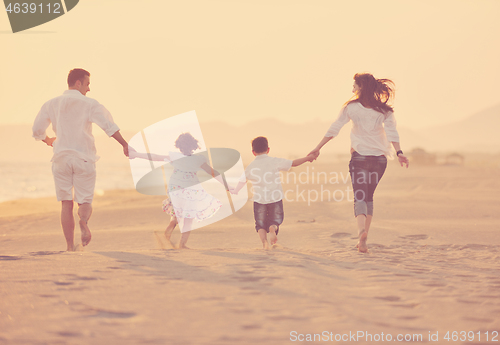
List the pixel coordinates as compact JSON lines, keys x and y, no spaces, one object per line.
{"x":238,"y":61}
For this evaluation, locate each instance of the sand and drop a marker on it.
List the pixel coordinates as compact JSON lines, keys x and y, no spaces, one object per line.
{"x":433,"y":267}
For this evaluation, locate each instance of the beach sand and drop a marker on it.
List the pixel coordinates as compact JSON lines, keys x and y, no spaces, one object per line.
{"x":433,"y":266}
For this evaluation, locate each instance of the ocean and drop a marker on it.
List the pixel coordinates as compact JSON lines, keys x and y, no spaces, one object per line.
{"x":21,"y":180}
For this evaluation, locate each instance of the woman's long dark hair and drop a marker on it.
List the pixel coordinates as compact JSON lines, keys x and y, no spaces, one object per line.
{"x":374,"y":93}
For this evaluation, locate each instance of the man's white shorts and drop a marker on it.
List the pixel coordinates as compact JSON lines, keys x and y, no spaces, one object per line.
{"x":73,"y":172}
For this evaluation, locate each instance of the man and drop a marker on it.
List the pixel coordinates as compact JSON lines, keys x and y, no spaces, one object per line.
{"x":73,"y":163}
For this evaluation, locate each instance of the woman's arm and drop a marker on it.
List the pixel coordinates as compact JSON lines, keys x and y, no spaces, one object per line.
{"x":401,"y":157}
{"x":318,"y":147}
{"x":333,"y":131}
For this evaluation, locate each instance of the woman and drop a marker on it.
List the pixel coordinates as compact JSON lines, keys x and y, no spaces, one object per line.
{"x":374,"y":126}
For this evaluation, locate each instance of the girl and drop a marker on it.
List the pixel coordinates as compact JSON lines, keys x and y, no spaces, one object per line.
{"x":187,"y":200}
{"x":374,"y":126}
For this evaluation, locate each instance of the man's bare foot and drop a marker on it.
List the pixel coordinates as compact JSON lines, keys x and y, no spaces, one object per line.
{"x":362,"y":246}
{"x":272,"y":235}
{"x":86,"y":235}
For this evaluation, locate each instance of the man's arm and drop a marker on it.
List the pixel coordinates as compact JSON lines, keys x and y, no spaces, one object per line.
{"x":42,"y":121}
{"x":118,"y":137}
{"x":48,"y":140}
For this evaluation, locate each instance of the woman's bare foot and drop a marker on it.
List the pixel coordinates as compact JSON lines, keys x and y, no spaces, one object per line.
{"x":272,"y":234}
{"x":86,"y":235}
{"x":362,"y":246}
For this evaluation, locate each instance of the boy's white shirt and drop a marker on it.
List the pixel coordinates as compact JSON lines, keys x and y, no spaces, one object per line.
{"x":263,"y":172}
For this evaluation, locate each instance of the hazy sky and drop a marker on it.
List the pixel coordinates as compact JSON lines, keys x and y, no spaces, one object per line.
{"x":236,"y":61}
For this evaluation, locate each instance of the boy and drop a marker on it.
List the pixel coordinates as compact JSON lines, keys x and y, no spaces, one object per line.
{"x":263,"y":172}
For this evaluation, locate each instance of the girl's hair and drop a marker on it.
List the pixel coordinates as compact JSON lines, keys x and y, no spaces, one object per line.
{"x":186,"y":143}
{"x":374,"y":93}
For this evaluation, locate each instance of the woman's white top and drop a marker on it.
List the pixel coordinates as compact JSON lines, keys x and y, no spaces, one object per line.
{"x":371,"y":131}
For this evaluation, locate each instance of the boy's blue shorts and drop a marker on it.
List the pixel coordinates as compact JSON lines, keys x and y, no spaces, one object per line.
{"x":268,"y":214}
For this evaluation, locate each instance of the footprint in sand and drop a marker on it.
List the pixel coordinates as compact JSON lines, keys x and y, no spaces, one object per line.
{"x":9,"y":257}
{"x":435,"y":284}
{"x":250,"y":327}
{"x":476,"y":247}
{"x":389,"y":298}
{"x":406,"y":305}
{"x":46,"y":253}
{"x":306,"y":221}
{"x":415,"y":237}
{"x":338,"y":235}
{"x":112,"y":314}
{"x":69,"y":334}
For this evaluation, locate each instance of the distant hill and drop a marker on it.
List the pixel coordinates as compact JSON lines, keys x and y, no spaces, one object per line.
{"x":477,"y":133}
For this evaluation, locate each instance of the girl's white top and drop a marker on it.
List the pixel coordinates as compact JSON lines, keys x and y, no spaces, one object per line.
{"x":186,"y":163}
{"x":371,"y":131}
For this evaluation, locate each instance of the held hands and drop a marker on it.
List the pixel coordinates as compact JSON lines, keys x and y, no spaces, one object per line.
{"x":403,"y":160}
{"x":314,"y":153}
{"x":311,"y":158}
{"x":132,"y":153}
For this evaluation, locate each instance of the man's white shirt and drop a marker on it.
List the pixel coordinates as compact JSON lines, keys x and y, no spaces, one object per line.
{"x":72,"y":115}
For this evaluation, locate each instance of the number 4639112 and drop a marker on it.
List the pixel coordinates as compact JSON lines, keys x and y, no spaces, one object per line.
{"x":471,"y":336}
{"x":33,"y":8}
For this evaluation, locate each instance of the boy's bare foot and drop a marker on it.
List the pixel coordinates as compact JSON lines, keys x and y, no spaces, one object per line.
{"x":272,"y":234}
{"x":79,"y":248}
{"x":362,"y":246}
{"x":86,"y":235}
{"x":265,"y":245}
